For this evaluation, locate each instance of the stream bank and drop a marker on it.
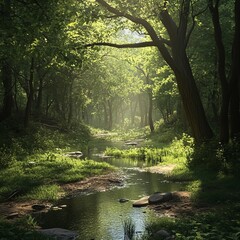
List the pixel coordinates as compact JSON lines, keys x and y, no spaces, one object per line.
{"x":13,"y":209}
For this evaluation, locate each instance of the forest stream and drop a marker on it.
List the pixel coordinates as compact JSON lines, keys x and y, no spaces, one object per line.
{"x":101,"y":215}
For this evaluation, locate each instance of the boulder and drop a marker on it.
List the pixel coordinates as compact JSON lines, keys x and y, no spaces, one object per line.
{"x":59,"y":233}
{"x":160,"y":198}
{"x":141,"y":202}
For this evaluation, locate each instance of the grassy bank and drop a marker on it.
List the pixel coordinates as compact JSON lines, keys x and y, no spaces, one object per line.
{"x":38,"y":177}
{"x":33,"y":164}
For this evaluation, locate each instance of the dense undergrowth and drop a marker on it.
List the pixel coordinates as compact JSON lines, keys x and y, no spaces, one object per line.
{"x":220,"y":223}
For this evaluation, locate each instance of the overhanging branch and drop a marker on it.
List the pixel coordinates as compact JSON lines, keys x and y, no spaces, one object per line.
{"x":127,"y":45}
{"x":158,"y":41}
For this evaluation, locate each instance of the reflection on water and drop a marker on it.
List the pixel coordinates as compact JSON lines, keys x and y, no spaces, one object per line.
{"x":100,"y":215}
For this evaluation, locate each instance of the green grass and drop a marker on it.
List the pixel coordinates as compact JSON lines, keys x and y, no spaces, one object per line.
{"x":23,"y":228}
{"x":177,"y":152}
{"x":39,"y":175}
{"x":32,"y":161}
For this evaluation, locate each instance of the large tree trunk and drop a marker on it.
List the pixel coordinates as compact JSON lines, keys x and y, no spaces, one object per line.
{"x":6,"y":67}
{"x":235,"y":77}
{"x":193,"y":107}
{"x":224,"y":120}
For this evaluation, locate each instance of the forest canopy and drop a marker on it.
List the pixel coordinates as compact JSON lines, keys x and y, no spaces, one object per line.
{"x":112,"y":64}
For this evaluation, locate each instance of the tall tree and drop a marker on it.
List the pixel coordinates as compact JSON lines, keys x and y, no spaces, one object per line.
{"x":173,"y":50}
{"x":6,"y":29}
{"x":229,"y":81}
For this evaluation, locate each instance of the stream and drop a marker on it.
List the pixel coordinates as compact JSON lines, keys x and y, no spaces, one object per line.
{"x":100,"y":215}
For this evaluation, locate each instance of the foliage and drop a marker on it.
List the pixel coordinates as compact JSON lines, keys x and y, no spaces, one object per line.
{"x":216,"y":156}
{"x":143,"y":154}
{"x":22,"y":228}
{"x":177,"y":152}
{"x":217,"y":224}
{"x":17,"y":143}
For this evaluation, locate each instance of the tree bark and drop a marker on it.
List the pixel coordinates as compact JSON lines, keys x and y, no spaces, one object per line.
{"x":110,"y":115}
{"x":224,"y":120}
{"x":235,"y":77}
{"x":8,"y":91}
{"x":6,"y":63}
{"x":150,"y":112}
{"x":29,"y":95}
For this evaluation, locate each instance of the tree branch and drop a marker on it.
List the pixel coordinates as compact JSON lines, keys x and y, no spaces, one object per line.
{"x":127,"y":45}
{"x":169,"y":24}
{"x":156,"y":40}
{"x":194,"y":22}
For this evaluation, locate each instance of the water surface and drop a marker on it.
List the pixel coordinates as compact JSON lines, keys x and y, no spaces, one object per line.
{"x":100,"y":215}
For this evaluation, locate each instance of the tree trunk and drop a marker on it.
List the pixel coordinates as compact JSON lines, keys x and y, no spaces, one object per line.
{"x":39,"y":97}
{"x":8,"y":91}
{"x":7,"y":78}
{"x":150,"y":110}
{"x":141,"y":109}
{"x":105,"y":115}
{"x":224,"y":120}
{"x":30,"y":95}
{"x":235,"y":77}
{"x":180,"y":65}
{"x":70,"y":104}
{"x":192,"y":103}
{"x":110,"y":114}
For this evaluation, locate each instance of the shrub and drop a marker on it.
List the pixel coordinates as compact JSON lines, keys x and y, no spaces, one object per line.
{"x":215,"y":156}
{"x":6,"y":157}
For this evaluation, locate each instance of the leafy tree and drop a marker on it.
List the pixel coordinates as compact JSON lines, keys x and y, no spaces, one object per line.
{"x":172,"y":49}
